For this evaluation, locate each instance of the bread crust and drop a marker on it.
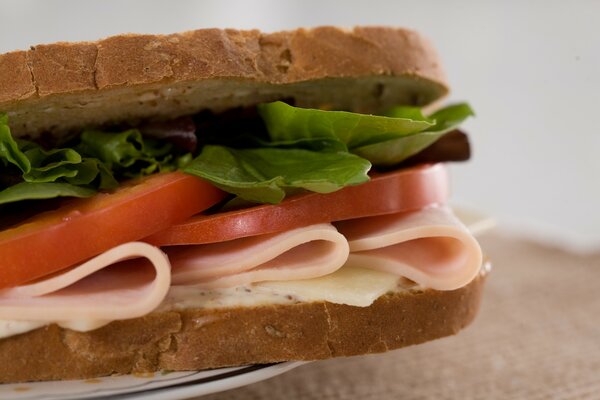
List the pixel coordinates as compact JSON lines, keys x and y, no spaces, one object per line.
{"x":203,"y":338}
{"x":43,"y":88}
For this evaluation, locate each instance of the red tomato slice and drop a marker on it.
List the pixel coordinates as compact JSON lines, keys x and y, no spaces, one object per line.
{"x":404,"y":190}
{"x":83,"y":228}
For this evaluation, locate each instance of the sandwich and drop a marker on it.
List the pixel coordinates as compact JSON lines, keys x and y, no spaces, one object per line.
{"x":220,"y":198}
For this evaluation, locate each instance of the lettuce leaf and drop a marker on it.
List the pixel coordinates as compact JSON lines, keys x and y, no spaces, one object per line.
{"x":262,"y":175}
{"x":395,"y":150}
{"x":314,"y":144}
{"x":37,"y":165}
{"x":9,"y":149}
{"x":409,"y":112}
{"x":309,"y":149}
{"x":42,"y":190}
{"x":65,"y":165}
{"x":92,"y":164}
{"x":127,"y":153}
{"x":316,"y":150}
{"x":285,"y":122}
{"x":383,"y":140}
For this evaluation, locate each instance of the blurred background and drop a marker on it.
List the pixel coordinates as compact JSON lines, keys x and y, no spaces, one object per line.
{"x":530,"y":69}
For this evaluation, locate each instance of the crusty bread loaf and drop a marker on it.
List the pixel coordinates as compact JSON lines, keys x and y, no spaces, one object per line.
{"x":200,"y":339}
{"x":67,"y":86}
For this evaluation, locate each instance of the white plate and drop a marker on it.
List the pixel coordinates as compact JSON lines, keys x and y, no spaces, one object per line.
{"x":476,"y":222}
{"x":163,"y":386}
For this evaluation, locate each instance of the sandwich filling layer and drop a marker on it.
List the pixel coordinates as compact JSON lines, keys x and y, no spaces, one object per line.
{"x":374,"y":256}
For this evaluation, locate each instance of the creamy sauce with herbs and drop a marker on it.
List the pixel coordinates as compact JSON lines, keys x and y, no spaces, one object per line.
{"x":353,"y":286}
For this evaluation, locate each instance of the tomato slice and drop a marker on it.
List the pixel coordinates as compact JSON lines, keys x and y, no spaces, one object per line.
{"x":83,"y":228}
{"x":404,"y":190}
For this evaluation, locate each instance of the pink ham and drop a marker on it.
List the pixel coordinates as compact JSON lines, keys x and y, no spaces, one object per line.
{"x":102,"y":288}
{"x":431,"y":247}
{"x":301,"y":253}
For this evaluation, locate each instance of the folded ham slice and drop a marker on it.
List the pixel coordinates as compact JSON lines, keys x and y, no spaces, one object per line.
{"x":101,"y":289}
{"x":431,"y":247}
{"x":301,"y":253}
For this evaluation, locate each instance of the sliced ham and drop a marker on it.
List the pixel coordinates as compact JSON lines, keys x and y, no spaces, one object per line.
{"x":431,"y":247}
{"x":104,"y":288}
{"x":301,"y":253}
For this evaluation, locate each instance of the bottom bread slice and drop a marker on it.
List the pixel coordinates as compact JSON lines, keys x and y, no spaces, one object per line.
{"x":195,"y":339}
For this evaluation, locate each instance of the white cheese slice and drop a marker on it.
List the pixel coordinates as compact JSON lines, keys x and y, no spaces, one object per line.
{"x":353,"y":286}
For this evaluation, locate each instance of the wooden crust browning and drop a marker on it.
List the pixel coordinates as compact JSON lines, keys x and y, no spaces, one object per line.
{"x":66,"y":86}
{"x":203,"y":339}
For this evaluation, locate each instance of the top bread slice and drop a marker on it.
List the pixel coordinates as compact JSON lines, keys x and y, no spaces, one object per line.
{"x":62,"y":87}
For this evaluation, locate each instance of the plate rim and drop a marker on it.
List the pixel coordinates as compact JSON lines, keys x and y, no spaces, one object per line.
{"x":228,"y":378}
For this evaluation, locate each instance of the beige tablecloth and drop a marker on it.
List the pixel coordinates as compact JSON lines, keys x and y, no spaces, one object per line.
{"x":537,"y":337}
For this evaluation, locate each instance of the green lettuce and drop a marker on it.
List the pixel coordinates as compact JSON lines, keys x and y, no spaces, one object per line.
{"x":317,"y":150}
{"x":395,"y":150}
{"x":9,"y":149}
{"x":64,"y":165}
{"x":263,"y":174}
{"x":314,"y":144}
{"x":383,"y":140}
{"x":285,"y":122}
{"x":305,"y":149}
{"x":47,"y":174}
{"x":127,"y":153}
{"x":93,"y":164}
{"x":37,"y":191}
